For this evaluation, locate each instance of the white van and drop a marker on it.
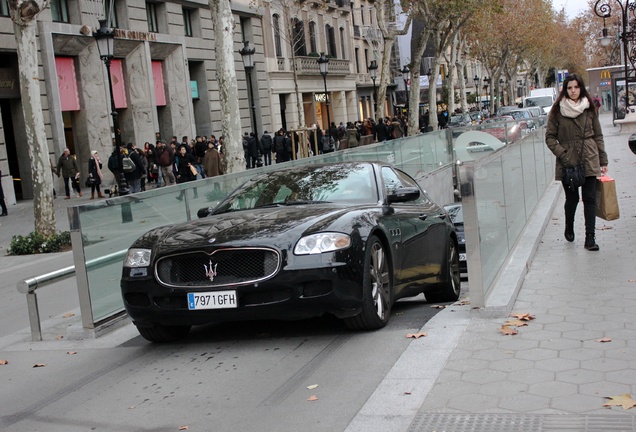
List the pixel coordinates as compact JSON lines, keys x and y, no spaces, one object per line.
{"x":543,"y":98}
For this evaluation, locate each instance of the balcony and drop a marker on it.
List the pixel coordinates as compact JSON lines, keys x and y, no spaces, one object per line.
{"x":309,"y":66}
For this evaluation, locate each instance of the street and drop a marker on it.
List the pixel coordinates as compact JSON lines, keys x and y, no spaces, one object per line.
{"x":250,"y":376}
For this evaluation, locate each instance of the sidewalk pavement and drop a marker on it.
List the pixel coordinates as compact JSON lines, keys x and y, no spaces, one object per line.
{"x":557,"y":373}
{"x":465,"y":375}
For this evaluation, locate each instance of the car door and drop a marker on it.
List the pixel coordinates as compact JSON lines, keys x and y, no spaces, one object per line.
{"x":422,"y":230}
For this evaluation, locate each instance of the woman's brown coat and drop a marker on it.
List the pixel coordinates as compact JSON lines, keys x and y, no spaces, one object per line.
{"x":564,"y":137}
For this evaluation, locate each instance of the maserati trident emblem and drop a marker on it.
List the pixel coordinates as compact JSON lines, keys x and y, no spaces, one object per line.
{"x":210,"y":272}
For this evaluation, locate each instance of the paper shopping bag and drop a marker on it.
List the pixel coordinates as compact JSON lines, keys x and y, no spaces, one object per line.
{"x":606,"y":200}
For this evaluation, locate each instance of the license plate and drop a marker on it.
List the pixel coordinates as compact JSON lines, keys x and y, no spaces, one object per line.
{"x":462,"y":257}
{"x":212,"y":300}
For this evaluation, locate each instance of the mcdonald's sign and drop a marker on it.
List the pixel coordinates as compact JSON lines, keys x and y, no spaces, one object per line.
{"x":605,"y":74}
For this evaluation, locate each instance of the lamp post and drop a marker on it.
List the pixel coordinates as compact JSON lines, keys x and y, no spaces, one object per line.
{"x":105,"y":38}
{"x":476,"y":80}
{"x":247,"y":53}
{"x":323,"y":65}
{"x":603,"y":9}
{"x":373,"y":72}
{"x":502,"y":86}
{"x":406,"y":73}
{"x":487,"y":83}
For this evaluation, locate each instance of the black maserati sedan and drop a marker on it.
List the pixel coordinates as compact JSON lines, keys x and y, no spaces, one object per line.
{"x":347,"y":239}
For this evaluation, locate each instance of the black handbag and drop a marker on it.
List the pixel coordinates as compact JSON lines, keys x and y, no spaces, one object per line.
{"x":90,"y":181}
{"x":574,"y":176}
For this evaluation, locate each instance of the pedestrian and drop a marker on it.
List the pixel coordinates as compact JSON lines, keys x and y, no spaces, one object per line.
{"x":353,"y":136}
{"x":266,"y":143}
{"x":2,"y":203}
{"x":165,"y":160}
{"x":212,"y":162}
{"x":95,"y":173}
{"x":185,"y":162}
{"x":144,"y":170}
{"x":200,"y":147}
{"x":67,"y":167}
{"x":574,"y":136}
{"x":279,"y":146}
{"x":381,"y":131}
{"x":134,"y":177}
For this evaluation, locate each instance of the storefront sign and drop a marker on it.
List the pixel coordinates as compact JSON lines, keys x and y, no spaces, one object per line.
{"x":320,"y":97}
{"x":135,"y":35}
{"x":9,"y":84}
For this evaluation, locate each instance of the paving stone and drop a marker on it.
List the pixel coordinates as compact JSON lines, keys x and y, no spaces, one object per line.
{"x":604,"y":388}
{"x":580,"y":376}
{"x":464,"y":365}
{"x":552,"y":389}
{"x":484,"y":376}
{"x":628,"y":354}
{"x":604,"y":365}
{"x":563,"y":326}
{"x":557,"y":364}
{"x":580,"y":354}
{"x":577,"y":403}
{"x":524,"y":403}
{"x":515,"y":343}
{"x":503,"y":389}
{"x":473,"y":402}
{"x":530,"y":376}
{"x":604,"y":326}
{"x":622,"y":376}
{"x":583,"y":335}
{"x":509,"y":365}
{"x":536,"y":354}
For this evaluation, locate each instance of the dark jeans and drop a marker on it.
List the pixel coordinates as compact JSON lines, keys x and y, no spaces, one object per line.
{"x":74,"y":183}
{"x":267,"y":157}
{"x":588,"y":192}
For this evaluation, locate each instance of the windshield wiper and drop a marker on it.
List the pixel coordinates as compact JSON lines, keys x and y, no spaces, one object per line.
{"x":303,"y":202}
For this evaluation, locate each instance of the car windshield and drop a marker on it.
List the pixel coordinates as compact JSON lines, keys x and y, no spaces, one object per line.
{"x":456,"y":214}
{"x":540,"y":101}
{"x":345,"y":184}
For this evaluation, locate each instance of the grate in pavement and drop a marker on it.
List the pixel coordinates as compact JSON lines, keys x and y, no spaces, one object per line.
{"x":441,"y":422}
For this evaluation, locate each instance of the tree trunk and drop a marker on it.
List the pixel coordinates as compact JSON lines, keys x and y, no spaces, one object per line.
{"x":223,"y":22}
{"x":23,"y":14}
{"x":461,"y":64}
{"x":414,"y":95}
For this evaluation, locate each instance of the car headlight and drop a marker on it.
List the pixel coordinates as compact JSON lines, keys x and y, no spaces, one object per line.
{"x":320,"y":243}
{"x":137,"y":258}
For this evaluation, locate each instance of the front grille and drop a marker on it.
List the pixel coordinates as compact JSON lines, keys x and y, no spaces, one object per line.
{"x":218,"y":268}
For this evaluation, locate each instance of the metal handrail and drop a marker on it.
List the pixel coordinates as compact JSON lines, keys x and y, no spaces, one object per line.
{"x":30,"y":285}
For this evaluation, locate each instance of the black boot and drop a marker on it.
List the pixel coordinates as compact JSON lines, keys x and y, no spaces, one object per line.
{"x":590,"y":242}
{"x":569,"y":231}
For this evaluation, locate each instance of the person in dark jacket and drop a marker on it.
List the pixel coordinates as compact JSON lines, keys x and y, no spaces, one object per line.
{"x":3,"y":204}
{"x":134,"y":177}
{"x":67,"y":168}
{"x":266,"y":143}
{"x":183,"y":161}
{"x":381,"y":131}
{"x":254,"y":150}
{"x":574,"y":136}
{"x":200,"y":147}
{"x":279,"y":146}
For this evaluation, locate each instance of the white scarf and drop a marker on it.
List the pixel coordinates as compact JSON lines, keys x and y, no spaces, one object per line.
{"x":572,"y":109}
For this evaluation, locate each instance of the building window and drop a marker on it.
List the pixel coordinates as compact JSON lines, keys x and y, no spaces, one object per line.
{"x":59,"y":11}
{"x":187,"y":22}
{"x":353,"y":14}
{"x":357,"y":60}
{"x":312,"y":37}
{"x":151,"y":17}
{"x":362,"y":15}
{"x":277,"y":45}
{"x":111,"y":16}
{"x":331,"y":40}
{"x":4,"y":8}
{"x":298,"y":38}
{"x":343,"y":54}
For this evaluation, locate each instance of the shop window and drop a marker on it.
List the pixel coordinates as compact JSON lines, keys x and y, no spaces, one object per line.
{"x":4,"y":8}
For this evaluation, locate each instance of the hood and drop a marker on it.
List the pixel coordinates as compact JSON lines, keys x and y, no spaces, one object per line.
{"x":272,"y":226}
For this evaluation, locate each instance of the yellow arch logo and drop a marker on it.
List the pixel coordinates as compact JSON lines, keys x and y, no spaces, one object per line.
{"x":605,"y":74}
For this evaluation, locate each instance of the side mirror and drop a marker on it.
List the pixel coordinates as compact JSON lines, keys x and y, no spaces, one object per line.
{"x":204,"y":212}
{"x":404,"y":194}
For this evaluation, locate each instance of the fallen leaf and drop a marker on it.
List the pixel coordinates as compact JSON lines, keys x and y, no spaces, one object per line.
{"x":631,"y":280}
{"x":59,"y":337}
{"x":39,"y":365}
{"x":417,"y":335}
{"x":4,"y":362}
{"x":605,"y":339}
{"x":312,"y":398}
{"x":184,"y":427}
{"x":516,"y":323}
{"x":604,"y":227}
{"x":68,"y":315}
{"x":132,"y":407}
{"x":505,"y":330}
{"x":461,"y":303}
{"x":523,"y":316}
{"x":71,"y":352}
{"x":624,"y":400}
{"x":408,"y":392}
{"x":438,"y":306}
{"x":313,"y":386}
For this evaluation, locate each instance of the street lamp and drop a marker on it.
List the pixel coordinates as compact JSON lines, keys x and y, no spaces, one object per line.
{"x":406,"y":74}
{"x":487,"y":83}
{"x":603,"y":9}
{"x":373,"y":71}
{"x":323,"y":65}
{"x":476,"y":80}
{"x":105,"y":38}
{"x":247,"y":53}
{"x":502,"y":86}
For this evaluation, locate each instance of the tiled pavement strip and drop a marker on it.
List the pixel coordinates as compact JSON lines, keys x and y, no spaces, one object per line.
{"x":554,"y":375}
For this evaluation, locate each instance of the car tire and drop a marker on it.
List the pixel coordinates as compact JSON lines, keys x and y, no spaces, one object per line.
{"x":377,"y":289}
{"x":450,"y":289}
{"x":161,"y":333}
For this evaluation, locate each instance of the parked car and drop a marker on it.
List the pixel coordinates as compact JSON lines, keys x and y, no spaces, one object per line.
{"x":505,"y":110}
{"x":347,"y":239}
{"x":536,"y":113}
{"x":525,"y":118}
{"x":457,"y":217}
{"x":505,"y":128}
{"x":476,"y":116}
{"x":459,"y":120}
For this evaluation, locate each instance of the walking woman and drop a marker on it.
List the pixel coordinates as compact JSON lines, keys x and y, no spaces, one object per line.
{"x":95,"y":172}
{"x":575,"y":137}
